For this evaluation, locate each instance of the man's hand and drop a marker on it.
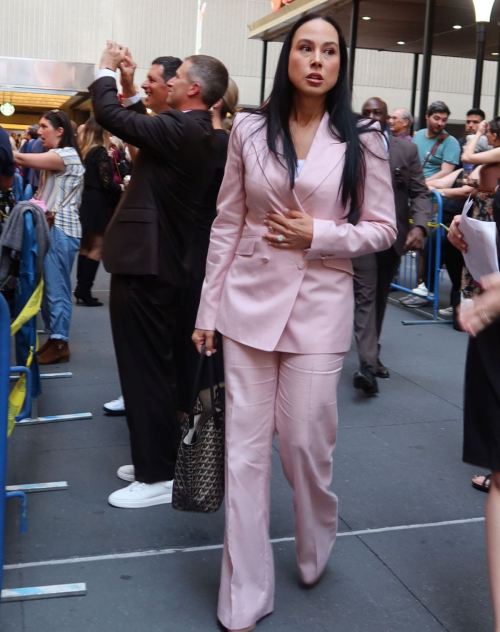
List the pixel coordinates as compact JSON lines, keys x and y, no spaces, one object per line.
{"x":415,"y":239}
{"x":112,"y":55}
{"x":127,"y":71}
{"x":290,"y":231}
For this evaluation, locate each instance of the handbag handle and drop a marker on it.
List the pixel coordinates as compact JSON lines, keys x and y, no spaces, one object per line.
{"x":197,"y":384}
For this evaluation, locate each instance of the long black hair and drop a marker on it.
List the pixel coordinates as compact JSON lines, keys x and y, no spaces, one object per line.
{"x":58,"y":118}
{"x":343,"y":123}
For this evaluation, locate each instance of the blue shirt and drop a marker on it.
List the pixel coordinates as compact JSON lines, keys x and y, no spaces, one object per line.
{"x":448,"y":151}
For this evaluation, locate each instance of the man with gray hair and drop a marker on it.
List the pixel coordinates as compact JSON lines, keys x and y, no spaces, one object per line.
{"x":400,"y":123}
{"x":147,"y":249}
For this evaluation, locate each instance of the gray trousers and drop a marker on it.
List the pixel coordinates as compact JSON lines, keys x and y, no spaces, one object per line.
{"x":373,"y":275}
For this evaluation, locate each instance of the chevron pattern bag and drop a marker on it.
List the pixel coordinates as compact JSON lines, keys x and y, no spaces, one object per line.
{"x":199,"y":470}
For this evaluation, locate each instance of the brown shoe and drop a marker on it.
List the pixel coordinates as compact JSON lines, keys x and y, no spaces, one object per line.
{"x":44,"y":347}
{"x":56,"y":353}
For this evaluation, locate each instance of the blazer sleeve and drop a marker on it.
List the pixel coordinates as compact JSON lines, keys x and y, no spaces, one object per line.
{"x":376,"y":228}
{"x":226,"y":231}
{"x":158,"y":134}
{"x":138,"y":107}
{"x":419,"y":193}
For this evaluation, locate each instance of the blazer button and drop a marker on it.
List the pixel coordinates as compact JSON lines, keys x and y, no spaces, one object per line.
{"x":301,"y":265}
{"x":265,"y":260}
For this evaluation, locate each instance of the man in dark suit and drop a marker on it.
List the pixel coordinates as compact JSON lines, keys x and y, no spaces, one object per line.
{"x":157,"y":92}
{"x":147,"y":250}
{"x":373,"y":274}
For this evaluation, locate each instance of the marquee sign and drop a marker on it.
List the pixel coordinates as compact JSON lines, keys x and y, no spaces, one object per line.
{"x":277,"y":4}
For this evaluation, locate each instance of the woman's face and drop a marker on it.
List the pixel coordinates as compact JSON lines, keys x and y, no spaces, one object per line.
{"x":50,"y":135}
{"x":314,"y":62}
{"x":493,"y":139}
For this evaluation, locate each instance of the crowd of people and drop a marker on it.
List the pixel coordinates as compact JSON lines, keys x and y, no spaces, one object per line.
{"x":268,"y":247}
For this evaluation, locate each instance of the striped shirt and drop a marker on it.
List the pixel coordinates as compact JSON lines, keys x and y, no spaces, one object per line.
{"x":62,"y":192}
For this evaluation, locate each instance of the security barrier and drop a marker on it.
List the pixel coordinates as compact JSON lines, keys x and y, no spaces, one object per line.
{"x":21,"y":396}
{"x":408,"y":273}
{"x":25,"y":328}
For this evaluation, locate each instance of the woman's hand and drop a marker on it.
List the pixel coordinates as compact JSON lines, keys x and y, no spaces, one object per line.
{"x":485,"y":309}
{"x":202,"y":337}
{"x":455,"y":236}
{"x":483,"y":128}
{"x":291,"y":231}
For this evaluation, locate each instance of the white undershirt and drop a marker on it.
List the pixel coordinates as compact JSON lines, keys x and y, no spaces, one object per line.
{"x":300,"y":165}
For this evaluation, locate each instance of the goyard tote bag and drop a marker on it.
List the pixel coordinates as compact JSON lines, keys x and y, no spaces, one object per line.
{"x":199,"y":471}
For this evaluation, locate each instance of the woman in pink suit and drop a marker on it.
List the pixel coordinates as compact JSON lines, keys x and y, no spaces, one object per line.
{"x":279,"y":289}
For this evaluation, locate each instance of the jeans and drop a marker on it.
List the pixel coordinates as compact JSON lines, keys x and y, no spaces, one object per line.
{"x":56,"y":303}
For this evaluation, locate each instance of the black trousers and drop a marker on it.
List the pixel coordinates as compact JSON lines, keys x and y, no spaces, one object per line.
{"x":373,"y":275}
{"x":450,"y":256}
{"x":142,"y":312}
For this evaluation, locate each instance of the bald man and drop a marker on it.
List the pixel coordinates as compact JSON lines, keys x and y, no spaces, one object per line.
{"x":374,"y":273}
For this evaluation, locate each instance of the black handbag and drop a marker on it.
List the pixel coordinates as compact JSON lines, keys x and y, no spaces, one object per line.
{"x":199,"y":470}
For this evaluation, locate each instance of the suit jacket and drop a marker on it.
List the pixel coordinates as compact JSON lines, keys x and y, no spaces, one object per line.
{"x":291,"y":300}
{"x":151,"y":230}
{"x":411,"y":194}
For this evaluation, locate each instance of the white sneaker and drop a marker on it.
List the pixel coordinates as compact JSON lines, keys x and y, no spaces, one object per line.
{"x":138,"y":495}
{"x":421,"y":290}
{"x":126,"y":473}
{"x":116,"y":407}
{"x":447,"y":311}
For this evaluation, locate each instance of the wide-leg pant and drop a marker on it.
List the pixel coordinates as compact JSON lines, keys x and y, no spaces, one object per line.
{"x":295,"y":396}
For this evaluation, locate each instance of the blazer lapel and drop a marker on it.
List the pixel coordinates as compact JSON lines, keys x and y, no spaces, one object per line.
{"x":275,"y":174}
{"x":325,"y":154}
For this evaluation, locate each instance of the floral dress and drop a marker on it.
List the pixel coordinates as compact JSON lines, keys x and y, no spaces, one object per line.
{"x":482,"y":209}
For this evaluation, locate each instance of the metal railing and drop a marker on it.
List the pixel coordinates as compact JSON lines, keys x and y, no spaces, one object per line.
{"x":408,"y":273}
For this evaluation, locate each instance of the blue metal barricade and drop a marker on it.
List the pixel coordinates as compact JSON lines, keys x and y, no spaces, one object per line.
{"x":408,"y":274}
{"x":4,"y":407}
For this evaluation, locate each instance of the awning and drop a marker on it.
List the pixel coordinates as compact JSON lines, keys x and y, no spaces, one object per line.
{"x":392,"y":21}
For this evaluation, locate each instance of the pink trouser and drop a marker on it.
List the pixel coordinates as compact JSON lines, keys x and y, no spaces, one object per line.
{"x":295,"y":396}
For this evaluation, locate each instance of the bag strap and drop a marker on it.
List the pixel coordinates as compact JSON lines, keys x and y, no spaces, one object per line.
{"x":196,"y":389}
{"x":435,"y":147}
{"x":216,"y":413}
{"x":66,"y":197}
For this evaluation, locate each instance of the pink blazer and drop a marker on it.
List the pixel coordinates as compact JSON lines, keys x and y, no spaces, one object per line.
{"x":291,"y":300}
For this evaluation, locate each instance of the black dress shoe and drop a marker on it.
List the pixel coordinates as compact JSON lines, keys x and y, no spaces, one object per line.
{"x":382,"y":372}
{"x":366,"y":381}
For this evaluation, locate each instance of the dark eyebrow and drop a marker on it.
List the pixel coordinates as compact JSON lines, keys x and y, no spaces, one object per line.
{"x":304,"y":40}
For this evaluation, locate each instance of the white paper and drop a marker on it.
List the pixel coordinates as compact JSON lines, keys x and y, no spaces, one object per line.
{"x":481,"y":239}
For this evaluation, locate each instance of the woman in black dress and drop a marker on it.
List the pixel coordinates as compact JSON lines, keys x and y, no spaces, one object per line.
{"x":100,"y":197}
{"x":482,"y":399}
{"x":185,"y":355}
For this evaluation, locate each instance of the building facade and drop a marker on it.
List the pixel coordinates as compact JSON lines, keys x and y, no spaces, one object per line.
{"x":74,"y":31}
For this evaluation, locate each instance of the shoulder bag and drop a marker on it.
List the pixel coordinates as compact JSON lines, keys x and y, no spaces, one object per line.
{"x":435,"y":147}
